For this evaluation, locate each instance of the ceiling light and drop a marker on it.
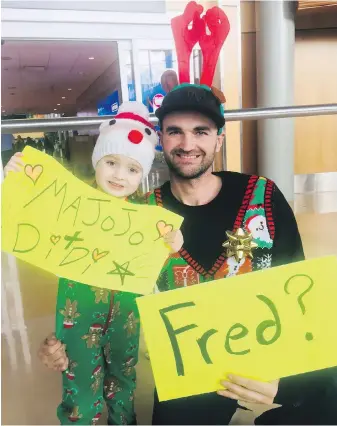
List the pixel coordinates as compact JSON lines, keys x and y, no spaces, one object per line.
{"x":63,"y":97}
{"x":58,"y":104}
{"x":55,"y":109}
{"x":69,"y":90}
{"x":91,"y":58}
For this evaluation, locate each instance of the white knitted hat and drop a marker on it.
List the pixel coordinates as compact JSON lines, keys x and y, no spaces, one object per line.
{"x":128,"y":133}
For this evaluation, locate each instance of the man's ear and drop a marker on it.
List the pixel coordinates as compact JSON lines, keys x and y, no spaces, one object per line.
{"x":220,"y":141}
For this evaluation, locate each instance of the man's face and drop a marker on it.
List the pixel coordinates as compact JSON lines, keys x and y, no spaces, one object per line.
{"x":190,"y":141}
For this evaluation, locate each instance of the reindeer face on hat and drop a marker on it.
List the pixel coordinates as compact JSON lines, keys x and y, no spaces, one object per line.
{"x":125,"y":150}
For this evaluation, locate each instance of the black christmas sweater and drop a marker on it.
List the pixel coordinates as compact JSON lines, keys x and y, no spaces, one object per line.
{"x":254,"y":204}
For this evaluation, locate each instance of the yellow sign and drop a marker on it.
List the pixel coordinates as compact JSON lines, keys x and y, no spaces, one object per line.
{"x":56,"y":222}
{"x":263,"y":325}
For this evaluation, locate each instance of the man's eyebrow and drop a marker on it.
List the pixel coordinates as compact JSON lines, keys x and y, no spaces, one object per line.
{"x":201,"y":128}
{"x":173,"y":128}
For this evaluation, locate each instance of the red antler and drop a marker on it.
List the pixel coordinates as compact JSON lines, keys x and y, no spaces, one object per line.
{"x":218,"y":24}
{"x":185,"y":39}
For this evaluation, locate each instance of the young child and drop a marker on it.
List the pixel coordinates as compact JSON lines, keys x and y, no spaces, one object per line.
{"x":99,"y":328}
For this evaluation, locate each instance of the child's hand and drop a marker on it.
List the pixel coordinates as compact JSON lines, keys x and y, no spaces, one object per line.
{"x":15,"y":164}
{"x":53,"y":355}
{"x":175,"y":240}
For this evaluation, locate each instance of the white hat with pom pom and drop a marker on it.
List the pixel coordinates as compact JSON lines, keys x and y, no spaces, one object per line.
{"x":128,"y":133}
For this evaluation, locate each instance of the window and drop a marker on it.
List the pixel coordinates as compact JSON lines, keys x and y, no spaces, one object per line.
{"x":130,"y":76}
{"x":152,"y":64}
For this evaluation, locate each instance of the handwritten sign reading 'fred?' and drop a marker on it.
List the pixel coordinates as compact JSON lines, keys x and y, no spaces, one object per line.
{"x":56,"y":222}
{"x":264,"y":325}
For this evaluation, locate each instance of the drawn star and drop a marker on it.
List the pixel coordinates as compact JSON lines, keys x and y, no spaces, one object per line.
{"x":122,"y":271}
{"x":239,"y":244}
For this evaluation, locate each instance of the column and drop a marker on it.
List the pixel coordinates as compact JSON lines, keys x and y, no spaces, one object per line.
{"x":275,"y":41}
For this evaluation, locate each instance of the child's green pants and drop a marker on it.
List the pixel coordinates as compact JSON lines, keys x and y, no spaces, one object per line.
{"x":100,"y":329}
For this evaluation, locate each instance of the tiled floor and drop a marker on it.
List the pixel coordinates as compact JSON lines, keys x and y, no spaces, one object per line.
{"x":30,"y":393}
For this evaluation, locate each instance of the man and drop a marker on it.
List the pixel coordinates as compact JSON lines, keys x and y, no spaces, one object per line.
{"x":48,"y":145}
{"x":191,"y":121}
{"x":169,"y":80}
{"x":19,"y":144}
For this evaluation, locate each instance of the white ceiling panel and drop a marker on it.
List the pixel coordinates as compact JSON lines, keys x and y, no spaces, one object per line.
{"x":36,"y":75}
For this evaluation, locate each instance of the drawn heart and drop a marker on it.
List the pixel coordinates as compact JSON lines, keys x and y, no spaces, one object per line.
{"x":96,"y":255}
{"x":34,"y":172}
{"x":163,"y":228}
{"x":55,"y":239}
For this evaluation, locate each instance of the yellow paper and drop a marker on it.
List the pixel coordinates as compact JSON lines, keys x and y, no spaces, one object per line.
{"x":301,"y":298}
{"x":56,"y":222}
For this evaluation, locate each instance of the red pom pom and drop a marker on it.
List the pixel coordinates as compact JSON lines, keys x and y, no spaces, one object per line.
{"x":135,"y":136}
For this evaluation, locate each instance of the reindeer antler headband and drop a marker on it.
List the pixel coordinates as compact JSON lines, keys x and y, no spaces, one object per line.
{"x":185,"y":39}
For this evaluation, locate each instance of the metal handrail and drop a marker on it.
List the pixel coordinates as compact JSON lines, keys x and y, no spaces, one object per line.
{"x":80,"y":123}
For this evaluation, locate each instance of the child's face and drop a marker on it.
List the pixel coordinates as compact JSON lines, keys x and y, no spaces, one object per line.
{"x":118,"y":175}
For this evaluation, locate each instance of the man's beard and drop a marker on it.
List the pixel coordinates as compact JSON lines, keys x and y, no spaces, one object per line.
{"x":194,"y":173}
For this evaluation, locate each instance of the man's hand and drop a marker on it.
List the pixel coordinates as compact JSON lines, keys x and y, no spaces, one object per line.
{"x":248,"y":390}
{"x":53,"y":355}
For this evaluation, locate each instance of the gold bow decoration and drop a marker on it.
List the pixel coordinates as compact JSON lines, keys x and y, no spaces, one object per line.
{"x":239,"y":244}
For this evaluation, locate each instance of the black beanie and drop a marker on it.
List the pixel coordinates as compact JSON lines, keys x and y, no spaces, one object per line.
{"x":194,"y":98}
